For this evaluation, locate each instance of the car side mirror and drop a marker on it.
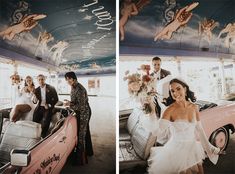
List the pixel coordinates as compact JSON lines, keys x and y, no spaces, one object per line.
{"x":20,"y":158}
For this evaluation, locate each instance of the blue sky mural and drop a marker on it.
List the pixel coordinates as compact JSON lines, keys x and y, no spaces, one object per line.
{"x":211,"y":27}
{"x":67,"y":33}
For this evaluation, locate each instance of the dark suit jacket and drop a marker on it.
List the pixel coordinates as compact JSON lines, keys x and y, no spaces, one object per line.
{"x":51,"y":95}
{"x":163,"y":73}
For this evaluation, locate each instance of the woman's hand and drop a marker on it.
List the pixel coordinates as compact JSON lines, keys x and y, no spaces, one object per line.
{"x":31,"y":89}
{"x":66,"y":103}
{"x":26,"y":89}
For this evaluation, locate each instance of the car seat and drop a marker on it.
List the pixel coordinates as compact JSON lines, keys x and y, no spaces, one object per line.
{"x":21,"y":135}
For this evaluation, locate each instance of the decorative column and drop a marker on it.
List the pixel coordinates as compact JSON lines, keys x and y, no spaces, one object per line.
{"x":56,"y":81}
{"x":222,"y":77}
{"x":179,"y":68}
{"x":15,"y":67}
{"x":14,"y":88}
{"x":233,"y":71}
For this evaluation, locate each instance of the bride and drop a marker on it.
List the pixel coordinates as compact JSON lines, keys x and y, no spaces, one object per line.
{"x":184,"y":151}
{"x":24,"y":102}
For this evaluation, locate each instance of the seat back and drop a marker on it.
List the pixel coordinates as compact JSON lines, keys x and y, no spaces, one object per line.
{"x":54,"y":120}
{"x":21,"y":135}
{"x":1,"y":123}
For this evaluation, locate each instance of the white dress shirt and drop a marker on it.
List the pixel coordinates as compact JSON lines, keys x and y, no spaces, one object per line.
{"x":43,"y":95}
{"x":157,"y":75}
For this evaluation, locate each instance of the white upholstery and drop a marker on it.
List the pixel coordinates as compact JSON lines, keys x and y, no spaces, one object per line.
{"x":27,"y":129}
{"x":142,"y":140}
{"x":133,"y":120}
{"x":19,"y":135}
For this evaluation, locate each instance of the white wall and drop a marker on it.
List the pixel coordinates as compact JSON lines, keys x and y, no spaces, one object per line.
{"x":107,"y":85}
{"x":200,"y":76}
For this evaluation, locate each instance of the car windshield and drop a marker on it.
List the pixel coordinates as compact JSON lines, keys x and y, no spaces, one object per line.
{"x":229,"y":97}
{"x":205,"y":105}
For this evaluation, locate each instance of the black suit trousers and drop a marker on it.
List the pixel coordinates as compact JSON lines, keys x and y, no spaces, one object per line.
{"x":43,"y":116}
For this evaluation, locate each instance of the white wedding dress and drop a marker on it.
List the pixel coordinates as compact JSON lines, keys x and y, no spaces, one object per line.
{"x":23,"y":97}
{"x":183,"y":149}
{"x":148,"y":121}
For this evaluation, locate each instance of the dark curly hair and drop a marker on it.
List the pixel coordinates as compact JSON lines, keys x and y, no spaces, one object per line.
{"x":189,"y":94}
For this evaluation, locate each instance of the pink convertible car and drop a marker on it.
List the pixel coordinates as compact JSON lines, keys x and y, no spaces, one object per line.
{"x":31,"y":154}
{"x":218,"y":120}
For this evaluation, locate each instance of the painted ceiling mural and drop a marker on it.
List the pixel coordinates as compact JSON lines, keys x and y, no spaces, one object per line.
{"x":70,"y":34}
{"x":202,"y":25}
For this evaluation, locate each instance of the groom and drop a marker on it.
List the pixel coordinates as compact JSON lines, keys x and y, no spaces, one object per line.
{"x":47,"y":96}
{"x":158,"y":74}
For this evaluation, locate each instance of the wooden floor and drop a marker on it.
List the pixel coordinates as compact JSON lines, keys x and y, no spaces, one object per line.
{"x":103,"y":127}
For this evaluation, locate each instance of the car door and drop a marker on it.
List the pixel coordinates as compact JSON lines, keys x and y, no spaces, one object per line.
{"x":49,"y":155}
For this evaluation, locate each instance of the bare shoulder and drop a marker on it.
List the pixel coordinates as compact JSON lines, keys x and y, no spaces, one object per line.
{"x":168,"y":112}
{"x":194,"y":106}
{"x":196,"y":110}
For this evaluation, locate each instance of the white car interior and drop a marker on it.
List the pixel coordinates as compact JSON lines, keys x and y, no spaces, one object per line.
{"x":24,"y":134}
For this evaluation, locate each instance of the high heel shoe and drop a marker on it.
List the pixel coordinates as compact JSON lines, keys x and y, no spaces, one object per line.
{"x":214,"y":155}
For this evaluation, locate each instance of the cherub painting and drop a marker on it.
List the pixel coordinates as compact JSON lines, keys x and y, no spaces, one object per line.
{"x":20,"y":13}
{"x":43,"y":39}
{"x":181,"y":18}
{"x":169,"y":12}
{"x":27,"y":24}
{"x":57,"y":50}
{"x":206,"y":26}
{"x":95,"y":66}
{"x":141,"y":3}
{"x":129,"y":9}
{"x":230,"y":37}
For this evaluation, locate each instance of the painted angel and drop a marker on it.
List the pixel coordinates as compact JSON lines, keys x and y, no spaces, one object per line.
{"x":206,"y":26}
{"x":230,"y":31}
{"x":141,"y":3}
{"x":129,"y":9}
{"x":181,"y":18}
{"x":43,"y":39}
{"x":169,"y":12}
{"x":57,"y":50}
{"x":20,"y":13}
{"x":27,"y":24}
{"x":95,"y":66}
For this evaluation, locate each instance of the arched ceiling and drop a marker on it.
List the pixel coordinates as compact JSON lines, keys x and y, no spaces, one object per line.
{"x":142,"y":31}
{"x":73,"y":35}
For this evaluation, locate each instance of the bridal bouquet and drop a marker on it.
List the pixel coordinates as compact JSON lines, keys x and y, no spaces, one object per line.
{"x":16,"y":79}
{"x":142,"y":87}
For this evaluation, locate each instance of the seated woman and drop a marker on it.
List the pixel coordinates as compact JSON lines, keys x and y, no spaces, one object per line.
{"x":24,"y":103}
